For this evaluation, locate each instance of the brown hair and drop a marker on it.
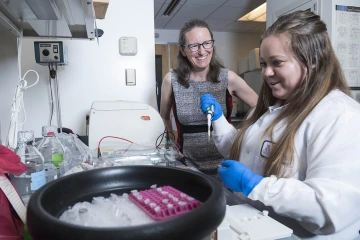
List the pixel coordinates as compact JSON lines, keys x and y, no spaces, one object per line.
{"x":183,"y":66}
{"x":310,"y":45}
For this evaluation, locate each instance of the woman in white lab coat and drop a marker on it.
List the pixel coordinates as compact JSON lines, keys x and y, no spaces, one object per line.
{"x":299,"y":150}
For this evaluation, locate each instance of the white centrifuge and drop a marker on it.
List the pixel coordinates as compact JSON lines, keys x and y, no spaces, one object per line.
{"x":134,"y":121}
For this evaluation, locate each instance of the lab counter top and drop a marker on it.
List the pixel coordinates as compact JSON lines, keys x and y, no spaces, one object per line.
{"x":231,"y":198}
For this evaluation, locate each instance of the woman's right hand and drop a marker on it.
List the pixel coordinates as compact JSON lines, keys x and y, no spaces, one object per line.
{"x":206,"y":100}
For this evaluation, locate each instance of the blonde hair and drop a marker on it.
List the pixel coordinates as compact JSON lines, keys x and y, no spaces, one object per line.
{"x":311,"y":46}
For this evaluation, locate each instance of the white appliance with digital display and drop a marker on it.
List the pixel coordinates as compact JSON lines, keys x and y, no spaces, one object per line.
{"x":134,"y":121}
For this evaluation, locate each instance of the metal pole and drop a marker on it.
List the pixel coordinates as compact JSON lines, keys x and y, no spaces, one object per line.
{"x":58,"y":102}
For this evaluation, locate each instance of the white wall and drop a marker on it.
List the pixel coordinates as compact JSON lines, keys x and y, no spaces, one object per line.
{"x":230,"y":47}
{"x":8,"y":77}
{"x":95,"y":72}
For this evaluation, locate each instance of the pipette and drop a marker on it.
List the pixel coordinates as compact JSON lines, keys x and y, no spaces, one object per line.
{"x":209,"y":116}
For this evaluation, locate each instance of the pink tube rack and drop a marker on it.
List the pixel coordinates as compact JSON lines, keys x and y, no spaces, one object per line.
{"x":163,"y":202}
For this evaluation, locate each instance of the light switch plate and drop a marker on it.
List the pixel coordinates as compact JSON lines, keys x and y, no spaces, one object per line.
{"x":130,"y":76}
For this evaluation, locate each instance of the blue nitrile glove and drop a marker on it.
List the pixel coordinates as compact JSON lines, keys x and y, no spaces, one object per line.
{"x":206,"y":100}
{"x":238,"y":177}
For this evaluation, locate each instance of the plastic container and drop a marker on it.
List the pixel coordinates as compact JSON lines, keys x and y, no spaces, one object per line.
{"x":30,"y":181}
{"x":52,"y":151}
{"x":171,"y":153}
{"x":47,"y":204}
{"x":86,"y":151}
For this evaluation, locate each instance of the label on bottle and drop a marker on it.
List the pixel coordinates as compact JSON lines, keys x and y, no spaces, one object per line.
{"x":38,"y":179}
{"x":13,"y":196}
{"x":79,"y":168}
{"x":57,"y":159}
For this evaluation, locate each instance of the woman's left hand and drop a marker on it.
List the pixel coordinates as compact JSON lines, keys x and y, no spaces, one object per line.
{"x":238,"y":177}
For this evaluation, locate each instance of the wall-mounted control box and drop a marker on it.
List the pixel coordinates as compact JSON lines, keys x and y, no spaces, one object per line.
{"x":51,"y":52}
{"x":128,"y":46}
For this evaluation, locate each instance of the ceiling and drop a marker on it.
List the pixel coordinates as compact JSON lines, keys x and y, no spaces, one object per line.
{"x":221,"y":15}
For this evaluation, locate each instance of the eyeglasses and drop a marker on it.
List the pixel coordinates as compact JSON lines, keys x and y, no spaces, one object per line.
{"x":196,"y":46}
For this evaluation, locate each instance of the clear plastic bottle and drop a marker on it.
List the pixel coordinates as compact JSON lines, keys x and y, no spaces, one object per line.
{"x":28,"y":182}
{"x":52,"y":151}
{"x":75,"y":153}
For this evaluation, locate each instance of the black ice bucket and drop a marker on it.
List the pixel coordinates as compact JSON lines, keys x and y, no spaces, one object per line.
{"x":49,"y":202}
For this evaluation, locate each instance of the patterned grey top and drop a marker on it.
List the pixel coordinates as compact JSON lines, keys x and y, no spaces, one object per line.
{"x":186,"y":105}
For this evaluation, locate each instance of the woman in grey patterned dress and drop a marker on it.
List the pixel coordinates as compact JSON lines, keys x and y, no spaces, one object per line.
{"x":199,"y":71}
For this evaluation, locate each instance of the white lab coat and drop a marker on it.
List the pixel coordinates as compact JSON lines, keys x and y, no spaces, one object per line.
{"x":323,"y":194}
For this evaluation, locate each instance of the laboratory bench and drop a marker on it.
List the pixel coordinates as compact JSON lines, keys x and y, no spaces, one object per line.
{"x":232,"y":199}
